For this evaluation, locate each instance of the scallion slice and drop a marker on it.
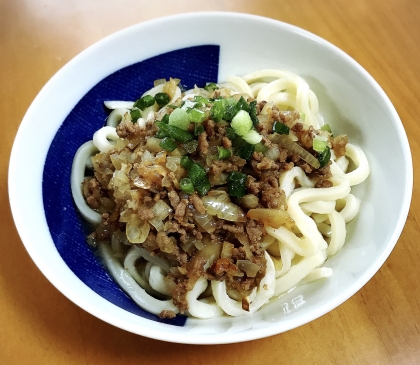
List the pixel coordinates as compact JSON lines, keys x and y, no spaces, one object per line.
{"x":252,"y":137}
{"x":259,"y":147}
{"x":168,"y":144}
{"x":241,"y":123}
{"x":196,"y":115}
{"x":324,"y":157}
{"x":319,"y":144}
{"x":223,"y":153}
{"x":144,"y":102}
{"x":135,"y":115}
{"x":280,"y":128}
{"x":253,"y":112}
{"x":327,"y":128}
{"x":242,"y":105}
{"x":237,"y":184}
{"x":230,"y":133}
{"x":198,"y":129}
{"x":211,"y":86}
{"x":246,"y":151}
{"x":186,"y":162}
{"x":197,"y":173}
{"x":176,"y":133}
{"x":179,"y":118}
{"x":229,"y":108}
{"x":162,"y":99}
{"x":203,"y":187}
{"x":186,"y":185}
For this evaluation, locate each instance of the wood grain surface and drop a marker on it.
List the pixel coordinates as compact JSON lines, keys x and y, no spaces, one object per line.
{"x":38,"y":325}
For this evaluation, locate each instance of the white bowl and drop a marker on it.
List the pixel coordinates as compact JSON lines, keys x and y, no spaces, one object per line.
{"x":69,"y":108}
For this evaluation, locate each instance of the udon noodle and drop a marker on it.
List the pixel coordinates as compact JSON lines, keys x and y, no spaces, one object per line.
{"x":203,"y":243}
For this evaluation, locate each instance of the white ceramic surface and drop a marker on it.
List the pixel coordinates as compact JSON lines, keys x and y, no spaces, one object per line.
{"x":350,"y":100}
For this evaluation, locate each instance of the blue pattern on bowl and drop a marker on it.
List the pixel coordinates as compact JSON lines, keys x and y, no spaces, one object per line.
{"x":194,"y":65}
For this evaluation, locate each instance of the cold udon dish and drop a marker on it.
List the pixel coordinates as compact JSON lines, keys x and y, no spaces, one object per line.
{"x":211,"y":201}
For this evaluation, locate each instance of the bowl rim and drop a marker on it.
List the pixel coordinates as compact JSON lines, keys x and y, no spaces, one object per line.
{"x":158,"y":332}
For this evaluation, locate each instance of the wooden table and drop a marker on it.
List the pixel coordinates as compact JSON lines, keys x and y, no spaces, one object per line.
{"x":38,"y":325}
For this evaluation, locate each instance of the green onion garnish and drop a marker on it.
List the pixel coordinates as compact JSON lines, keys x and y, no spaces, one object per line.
{"x":238,"y":142}
{"x":242,"y":105}
{"x":144,"y":102}
{"x":197,"y":173}
{"x":200,"y":101}
{"x":324,"y":157}
{"x":229,"y":108}
{"x":259,"y":147}
{"x":252,"y":137}
{"x":203,"y":187}
{"x":179,"y":118}
{"x":176,"y":133}
{"x":186,"y":162}
{"x":230,"y":133}
{"x":196,"y":115}
{"x":327,"y":128}
{"x":211,"y":86}
{"x":186,"y":185}
{"x":280,"y":128}
{"x":198,"y":129}
{"x":237,"y":184}
{"x":217,"y":110}
{"x":253,"y":112}
{"x":165,"y":119}
{"x":162,"y":99}
{"x":246,"y":151}
{"x":135,"y":115}
{"x":241,"y":123}
{"x":191,"y":146}
{"x":223,"y":153}
{"x":168,"y":144}
{"x":319,"y":144}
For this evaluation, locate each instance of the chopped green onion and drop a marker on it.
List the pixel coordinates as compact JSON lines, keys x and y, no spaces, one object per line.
{"x":135,"y":115}
{"x":217,"y":110}
{"x":198,"y":129}
{"x":259,"y":147}
{"x":242,"y":105}
{"x":253,"y":112}
{"x":168,"y":144}
{"x":200,"y":101}
{"x":324,"y":157}
{"x":241,"y":123}
{"x":252,"y":137}
{"x":165,"y":119}
{"x":327,"y":128}
{"x":238,"y":142}
{"x":191,"y":146}
{"x":230,"y":133}
{"x":197,"y":173}
{"x":186,"y":162}
{"x":196,"y":115}
{"x":162,"y":99}
{"x":280,"y":128}
{"x":229,"y":108}
{"x":237,"y":184}
{"x":302,"y":116}
{"x":203,"y":187}
{"x":186,"y":185}
{"x":176,"y":133}
{"x":223,"y":153}
{"x":211,"y":86}
{"x":144,"y":102}
{"x":160,"y":134}
{"x":319,"y":144}
{"x":246,"y":151}
{"x":172,"y":106}
{"x":188,"y":104}
{"x":179,"y":118}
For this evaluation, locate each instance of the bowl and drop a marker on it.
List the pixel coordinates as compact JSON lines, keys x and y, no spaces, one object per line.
{"x":206,"y":46}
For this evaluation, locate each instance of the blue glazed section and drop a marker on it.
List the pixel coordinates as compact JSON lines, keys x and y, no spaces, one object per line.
{"x":194,"y":65}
